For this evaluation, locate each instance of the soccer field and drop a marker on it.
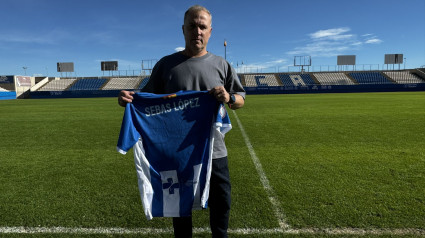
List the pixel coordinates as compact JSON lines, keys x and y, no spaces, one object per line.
{"x":303,"y":165}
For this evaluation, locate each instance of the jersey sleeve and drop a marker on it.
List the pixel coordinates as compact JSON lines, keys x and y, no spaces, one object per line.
{"x":222,"y":121}
{"x":128,"y":133}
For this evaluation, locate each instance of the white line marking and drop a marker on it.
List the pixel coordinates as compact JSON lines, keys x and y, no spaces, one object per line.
{"x":150,"y":231}
{"x":263,"y":178}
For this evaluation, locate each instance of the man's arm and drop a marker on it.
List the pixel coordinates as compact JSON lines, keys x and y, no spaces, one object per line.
{"x":125,"y":97}
{"x":221,"y":94}
{"x":239,"y":102}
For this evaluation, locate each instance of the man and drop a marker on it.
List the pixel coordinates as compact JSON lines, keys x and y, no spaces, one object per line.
{"x":195,"y":68}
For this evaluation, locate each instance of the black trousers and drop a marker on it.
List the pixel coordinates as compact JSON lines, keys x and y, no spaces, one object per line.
{"x":219,"y":203}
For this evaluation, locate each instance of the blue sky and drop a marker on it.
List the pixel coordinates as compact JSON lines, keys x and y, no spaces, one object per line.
{"x":263,"y":35}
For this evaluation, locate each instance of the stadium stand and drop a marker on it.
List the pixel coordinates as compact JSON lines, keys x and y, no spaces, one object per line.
{"x":3,"y":90}
{"x":308,"y":79}
{"x":143,"y":83}
{"x":403,"y":77}
{"x":370,"y":78}
{"x":420,"y":72}
{"x":254,"y":83}
{"x":8,"y":86}
{"x":333,"y":79}
{"x":255,"y":80}
{"x":88,"y":84}
{"x":242,"y":79}
{"x":296,"y":79}
{"x":57,"y":85}
{"x":122,"y":83}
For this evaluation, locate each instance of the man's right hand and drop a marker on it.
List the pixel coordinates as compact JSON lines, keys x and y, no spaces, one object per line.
{"x":125,"y":97}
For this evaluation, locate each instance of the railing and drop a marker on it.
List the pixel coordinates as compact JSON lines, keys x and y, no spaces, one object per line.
{"x":307,"y":69}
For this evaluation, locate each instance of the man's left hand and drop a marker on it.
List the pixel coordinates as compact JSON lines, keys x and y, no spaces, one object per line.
{"x":220,"y":94}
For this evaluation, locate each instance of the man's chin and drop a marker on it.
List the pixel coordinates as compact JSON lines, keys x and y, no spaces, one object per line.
{"x":197,"y":47}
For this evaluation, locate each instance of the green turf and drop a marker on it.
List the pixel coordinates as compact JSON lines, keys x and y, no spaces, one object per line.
{"x":333,"y":160}
{"x":343,"y":160}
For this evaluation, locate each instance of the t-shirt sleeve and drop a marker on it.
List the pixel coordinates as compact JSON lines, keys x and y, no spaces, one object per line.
{"x":233,"y":83}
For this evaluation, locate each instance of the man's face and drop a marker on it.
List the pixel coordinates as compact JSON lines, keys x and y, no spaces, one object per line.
{"x":197,"y":31}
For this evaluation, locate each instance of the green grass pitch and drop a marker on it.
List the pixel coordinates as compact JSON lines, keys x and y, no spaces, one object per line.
{"x":334,"y":161}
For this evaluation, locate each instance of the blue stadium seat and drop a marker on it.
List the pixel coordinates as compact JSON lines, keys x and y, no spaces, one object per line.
{"x":296,"y":79}
{"x":143,"y":83}
{"x":307,"y":79}
{"x":286,"y":80}
{"x":370,"y":78}
{"x":87,"y":84}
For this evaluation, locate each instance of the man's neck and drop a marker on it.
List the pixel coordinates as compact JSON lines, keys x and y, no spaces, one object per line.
{"x":191,"y":54}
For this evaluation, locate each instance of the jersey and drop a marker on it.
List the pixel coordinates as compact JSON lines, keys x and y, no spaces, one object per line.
{"x":172,"y":140}
{"x":177,"y":72}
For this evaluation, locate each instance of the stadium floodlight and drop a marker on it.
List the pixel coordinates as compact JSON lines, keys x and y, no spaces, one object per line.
{"x":148,"y":64}
{"x":65,"y":67}
{"x":393,"y":59}
{"x":225,"y":49}
{"x":302,"y":61}
{"x":346,"y":60}
{"x":109,"y":65}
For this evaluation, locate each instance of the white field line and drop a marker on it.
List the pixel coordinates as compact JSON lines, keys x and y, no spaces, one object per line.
{"x":263,"y":178}
{"x":153,"y":231}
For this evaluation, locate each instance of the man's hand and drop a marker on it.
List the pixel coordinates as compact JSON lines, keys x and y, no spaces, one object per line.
{"x":220,"y":94}
{"x":125,"y":97}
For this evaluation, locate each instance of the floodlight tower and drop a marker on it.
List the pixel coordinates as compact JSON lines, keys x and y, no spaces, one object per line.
{"x":225,"y":49}
{"x":25,"y":70}
{"x":302,"y":61}
{"x":148,"y":65}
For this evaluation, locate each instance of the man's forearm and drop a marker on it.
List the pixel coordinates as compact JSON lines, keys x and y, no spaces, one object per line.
{"x":240,"y":101}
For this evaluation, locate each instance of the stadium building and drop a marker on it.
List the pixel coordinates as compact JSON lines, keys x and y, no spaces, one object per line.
{"x":326,"y":81}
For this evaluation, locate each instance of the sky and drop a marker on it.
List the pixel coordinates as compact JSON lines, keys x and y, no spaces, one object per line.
{"x":262,"y":36}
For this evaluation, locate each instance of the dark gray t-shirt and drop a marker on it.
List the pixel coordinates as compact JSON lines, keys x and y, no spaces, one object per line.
{"x":178,"y":72}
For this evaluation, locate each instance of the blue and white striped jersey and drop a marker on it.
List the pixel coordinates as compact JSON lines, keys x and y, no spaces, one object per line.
{"x":172,"y":140}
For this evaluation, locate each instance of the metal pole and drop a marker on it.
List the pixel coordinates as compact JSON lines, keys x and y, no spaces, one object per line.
{"x":225,"y":49}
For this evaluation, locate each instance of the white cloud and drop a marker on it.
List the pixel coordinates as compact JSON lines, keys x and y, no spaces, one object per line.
{"x":330,"y":33}
{"x":373,"y":41}
{"x":178,"y":49}
{"x":322,"y":48}
{"x":49,"y":37}
{"x":271,"y":66}
{"x":332,"y":42}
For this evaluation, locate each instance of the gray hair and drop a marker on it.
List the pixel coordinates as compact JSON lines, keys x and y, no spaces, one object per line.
{"x":197,"y":8}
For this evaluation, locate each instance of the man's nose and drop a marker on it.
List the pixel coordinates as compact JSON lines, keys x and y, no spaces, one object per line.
{"x":198,"y":30}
